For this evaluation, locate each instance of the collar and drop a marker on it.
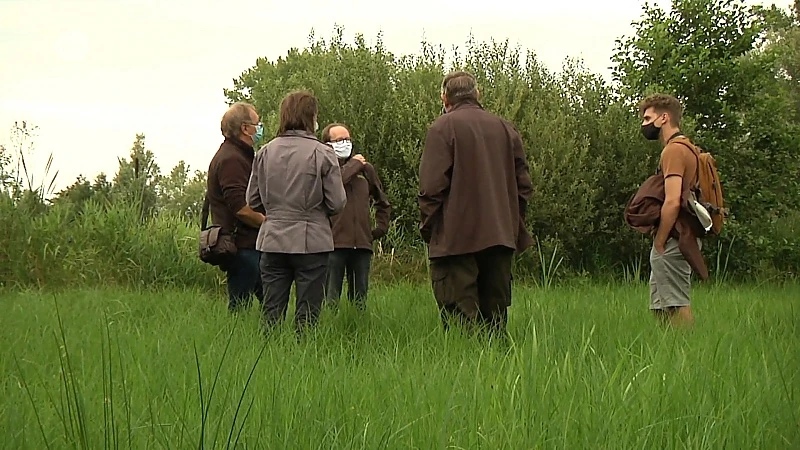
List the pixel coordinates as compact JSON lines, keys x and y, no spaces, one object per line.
{"x":677,"y":134}
{"x":467,"y":104}
{"x":241,"y":145}
{"x":300,"y":133}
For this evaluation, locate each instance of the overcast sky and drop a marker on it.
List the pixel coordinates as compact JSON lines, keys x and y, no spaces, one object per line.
{"x":93,"y":73}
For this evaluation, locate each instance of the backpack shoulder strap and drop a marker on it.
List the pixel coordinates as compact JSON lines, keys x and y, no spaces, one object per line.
{"x":696,"y":154}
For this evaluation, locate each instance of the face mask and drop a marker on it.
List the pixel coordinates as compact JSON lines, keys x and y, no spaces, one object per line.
{"x":259,"y":133}
{"x":342,"y":148}
{"x":444,"y":111}
{"x":316,"y":126}
{"x":651,"y":131}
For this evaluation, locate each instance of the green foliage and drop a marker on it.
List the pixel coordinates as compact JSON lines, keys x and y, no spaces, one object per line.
{"x":585,"y":367}
{"x":735,"y":67}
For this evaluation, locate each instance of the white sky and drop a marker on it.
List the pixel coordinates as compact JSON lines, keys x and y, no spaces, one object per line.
{"x":92,"y":73}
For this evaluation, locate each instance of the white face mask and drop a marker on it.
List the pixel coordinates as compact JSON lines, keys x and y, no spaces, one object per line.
{"x":342,"y":148}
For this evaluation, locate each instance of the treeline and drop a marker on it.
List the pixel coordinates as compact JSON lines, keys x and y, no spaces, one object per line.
{"x":735,"y":67}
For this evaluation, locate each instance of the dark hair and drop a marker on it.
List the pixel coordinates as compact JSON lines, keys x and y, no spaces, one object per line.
{"x":326,"y":132}
{"x":663,"y":103}
{"x":459,"y":86}
{"x":298,"y":110}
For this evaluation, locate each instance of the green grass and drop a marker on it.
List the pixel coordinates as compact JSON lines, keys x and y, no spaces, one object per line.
{"x":587,"y":368}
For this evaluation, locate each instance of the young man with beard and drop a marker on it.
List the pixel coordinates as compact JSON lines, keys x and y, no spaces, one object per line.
{"x":353,"y":233}
{"x":672,"y":258}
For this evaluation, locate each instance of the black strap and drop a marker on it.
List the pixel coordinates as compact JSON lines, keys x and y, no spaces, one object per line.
{"x":204,"y":214}
{"x":204,"y":218}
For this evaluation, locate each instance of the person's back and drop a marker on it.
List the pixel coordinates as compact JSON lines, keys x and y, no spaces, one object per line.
{"x":482,"y":207}
{"x":295,"y":167}
{"x":297,"y":180}
{"x":474,"y":190}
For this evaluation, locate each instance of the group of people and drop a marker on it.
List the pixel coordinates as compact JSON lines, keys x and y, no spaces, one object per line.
{"x":300,"y":209}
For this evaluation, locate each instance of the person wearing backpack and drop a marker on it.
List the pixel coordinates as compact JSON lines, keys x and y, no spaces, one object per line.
{"x":675,"y":224}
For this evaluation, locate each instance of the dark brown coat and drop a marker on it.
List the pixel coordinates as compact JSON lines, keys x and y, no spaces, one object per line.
{"x":352,"y":228}
{"x":228,"y":175}
{"x":474,"y":184}
{"x":643,"y":214}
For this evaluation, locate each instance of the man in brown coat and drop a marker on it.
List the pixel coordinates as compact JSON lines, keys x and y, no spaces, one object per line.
{"x":228,"y":175}
{"x":353,"y":233}
{"x":473,"y":193}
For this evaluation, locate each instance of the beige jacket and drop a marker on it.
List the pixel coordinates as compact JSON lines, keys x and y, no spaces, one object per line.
{"x":298,"y":182}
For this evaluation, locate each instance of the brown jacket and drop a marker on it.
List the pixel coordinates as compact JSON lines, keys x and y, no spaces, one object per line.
{"x":228,"y":174}
{"x":474,"y":184}
{"x":297,"y":180}
{"x":643,"y":213}
{"x":352,"y":228}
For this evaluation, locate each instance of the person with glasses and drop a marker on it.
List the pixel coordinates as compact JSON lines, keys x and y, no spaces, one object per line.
{"x":353,"y":233}
{"x":228,"y":175}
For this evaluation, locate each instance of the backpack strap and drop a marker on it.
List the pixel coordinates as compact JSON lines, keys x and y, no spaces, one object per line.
{"x":696,"y":158}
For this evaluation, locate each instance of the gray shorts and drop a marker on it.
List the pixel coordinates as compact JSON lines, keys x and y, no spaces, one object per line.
{"x":670,"y":277}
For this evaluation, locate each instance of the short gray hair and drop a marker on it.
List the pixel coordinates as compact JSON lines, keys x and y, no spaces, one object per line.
{"x":459,"y":86}
{"x":233,"y":119}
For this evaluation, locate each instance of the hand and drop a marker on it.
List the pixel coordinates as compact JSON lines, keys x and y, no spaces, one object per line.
{"x":360,"y":158}
{"x":660,"y":247}
{"x":377,"y":233}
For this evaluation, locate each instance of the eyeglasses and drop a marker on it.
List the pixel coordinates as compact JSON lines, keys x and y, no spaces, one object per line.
{"x":342,"y":139}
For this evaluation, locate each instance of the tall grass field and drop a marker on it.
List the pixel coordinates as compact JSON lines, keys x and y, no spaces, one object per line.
{"x":586,"y":366}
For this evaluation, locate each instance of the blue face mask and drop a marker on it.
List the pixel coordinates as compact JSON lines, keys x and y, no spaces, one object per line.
{"x":259,"y":133}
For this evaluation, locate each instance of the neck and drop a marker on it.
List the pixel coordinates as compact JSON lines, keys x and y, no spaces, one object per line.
{"x":667,"y":132}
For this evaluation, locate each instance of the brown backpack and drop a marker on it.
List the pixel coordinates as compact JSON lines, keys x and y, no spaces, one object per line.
{"x":216,"y":247}
{"x":708,"y":186}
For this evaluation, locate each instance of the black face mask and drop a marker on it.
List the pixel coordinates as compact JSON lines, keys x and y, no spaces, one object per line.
{"x":651,"y":131}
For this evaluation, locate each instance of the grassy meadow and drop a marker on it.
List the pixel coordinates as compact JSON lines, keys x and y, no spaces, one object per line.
{"x":587,"y":367}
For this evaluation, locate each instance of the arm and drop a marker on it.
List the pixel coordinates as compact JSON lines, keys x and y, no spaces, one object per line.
{"x":351,"y":169}
{"x":434,"y":180}
{"x":524,"y":185}
{"x":335,"y":197}
{"x":233,"y":179}
{"x":383,"y":209}
{"x":673,"y":167}
{"x":253,"y":195}
{"x":669,"y":210}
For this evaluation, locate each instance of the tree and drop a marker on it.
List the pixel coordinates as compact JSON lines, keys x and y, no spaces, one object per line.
{"x":137,"y":179}
{"x":182,"y":193}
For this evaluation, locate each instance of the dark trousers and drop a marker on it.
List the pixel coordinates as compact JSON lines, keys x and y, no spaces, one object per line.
{"x":355,"y":263}
{"x":307,"y":272}
{"x":243,"y":278}
{"x":474,"y":288}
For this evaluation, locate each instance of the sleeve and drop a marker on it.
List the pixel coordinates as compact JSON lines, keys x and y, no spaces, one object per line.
{"x":351,"y":169}
{"x":522,"y":173}
{"x":253,"y":194}
{"x":332,"y":186}
{"x":435,"y":169}
{"x":383,"y":208}
{"x":673,"y":162}
{"x":233,"y":179}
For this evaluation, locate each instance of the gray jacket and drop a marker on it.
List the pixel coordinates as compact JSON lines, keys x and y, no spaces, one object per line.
{"x":297,"y":180}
